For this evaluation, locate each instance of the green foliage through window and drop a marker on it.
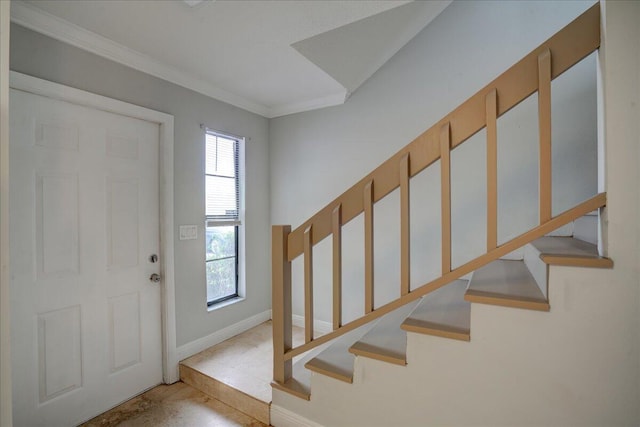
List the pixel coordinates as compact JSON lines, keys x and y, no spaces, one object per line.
{"x":221,"y":262}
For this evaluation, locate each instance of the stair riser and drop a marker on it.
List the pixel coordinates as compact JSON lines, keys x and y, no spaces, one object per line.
{"x":438,"y":331}
{"x":565,"y":231}
{"x":538,"y":269}
{"x":332,"y":361}
{"x":586,"y":228}
{"x":229,"y":395}
{"x":506,"y":302}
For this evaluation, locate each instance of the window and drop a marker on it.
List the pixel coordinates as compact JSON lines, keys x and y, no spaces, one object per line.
{"x":222,"y":192}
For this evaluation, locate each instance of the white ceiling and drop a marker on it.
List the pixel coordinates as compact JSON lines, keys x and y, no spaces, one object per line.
{"x":271,"y":57}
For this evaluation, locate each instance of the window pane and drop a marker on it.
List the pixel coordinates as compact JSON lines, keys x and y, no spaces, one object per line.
{"x":221,"y":242}
{"x":221,"y":278}
{"x":221,"y":196}
{"x":220,"y":156}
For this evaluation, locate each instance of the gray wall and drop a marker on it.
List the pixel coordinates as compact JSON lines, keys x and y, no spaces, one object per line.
{"x":317,"y":155}
{"x":43,"y":57}
{"x":298,"y":163}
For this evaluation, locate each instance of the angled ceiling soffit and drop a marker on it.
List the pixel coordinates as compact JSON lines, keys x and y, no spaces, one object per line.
{"x":352,"y":53}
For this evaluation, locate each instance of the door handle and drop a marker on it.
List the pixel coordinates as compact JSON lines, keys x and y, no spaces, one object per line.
{"x":155,"y":278}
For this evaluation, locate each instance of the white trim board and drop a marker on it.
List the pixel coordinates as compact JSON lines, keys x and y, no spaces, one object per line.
{"x":196,"y":346}
{"x":5,"y":306}
{"x":36,"y":19}
{"x":319,"y":326}
{"x":165,"y":121}
{"x":281,"y":417}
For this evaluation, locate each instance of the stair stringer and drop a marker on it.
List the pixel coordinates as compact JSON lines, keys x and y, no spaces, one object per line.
{"x":522,"y":367}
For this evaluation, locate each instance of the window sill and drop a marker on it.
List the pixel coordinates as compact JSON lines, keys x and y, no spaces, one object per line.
{"x":226,"y":303}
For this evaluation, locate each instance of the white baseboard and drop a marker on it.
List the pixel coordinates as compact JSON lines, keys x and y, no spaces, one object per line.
{"x":319,"y":326}
{"x":217,"y":337}
{"x":281,"y":417}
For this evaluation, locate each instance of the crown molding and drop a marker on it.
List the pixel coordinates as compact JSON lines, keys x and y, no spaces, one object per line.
{"x":38,"y":20}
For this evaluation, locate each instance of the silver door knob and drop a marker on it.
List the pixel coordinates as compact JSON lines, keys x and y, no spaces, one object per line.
{"x":155,"y":278}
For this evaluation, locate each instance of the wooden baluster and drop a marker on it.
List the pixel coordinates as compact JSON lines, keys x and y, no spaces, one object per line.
{"x":405,"y":242}
{"x":281,"y":302}
{"x":368,"y":247}
{"x":445,"y":191}
{"x":491,"y":103}
{"x":308,"y":284}
{"x":544,"y":123}
{"x":336,"y":227}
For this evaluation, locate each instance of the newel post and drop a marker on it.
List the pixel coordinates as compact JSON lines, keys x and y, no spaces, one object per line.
{"x":281,"y":302}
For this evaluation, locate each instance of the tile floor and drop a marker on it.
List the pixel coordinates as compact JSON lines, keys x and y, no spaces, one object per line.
{"x":244,"y":362}
{"x":175,"y":405}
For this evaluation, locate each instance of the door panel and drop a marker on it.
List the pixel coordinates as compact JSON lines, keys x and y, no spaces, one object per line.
{"x":59,"y":352}
{"x":84,"y":203}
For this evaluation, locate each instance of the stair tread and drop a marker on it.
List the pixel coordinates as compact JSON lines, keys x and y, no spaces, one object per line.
{"x":336,"y":361}
{"x":443,"y":312}
{"x":570,"y":251}
{"x":506,"y":282}
{"x":386,"y":341}
{"x":550,"y":245}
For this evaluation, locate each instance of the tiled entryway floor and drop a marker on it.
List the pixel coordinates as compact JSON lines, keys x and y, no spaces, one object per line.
{"x":244,"y":362}
{"x":239,"y":370}
{"x":175,"y":405}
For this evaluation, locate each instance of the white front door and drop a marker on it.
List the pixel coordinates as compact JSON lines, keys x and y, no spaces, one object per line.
{"x":84,"y":223}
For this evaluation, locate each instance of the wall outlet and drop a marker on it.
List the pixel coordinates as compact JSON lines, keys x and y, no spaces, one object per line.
{"x":188,"y":232}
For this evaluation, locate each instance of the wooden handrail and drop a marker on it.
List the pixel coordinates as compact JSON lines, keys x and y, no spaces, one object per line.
{"x":571,"y":44}
{"x":533,"y":73}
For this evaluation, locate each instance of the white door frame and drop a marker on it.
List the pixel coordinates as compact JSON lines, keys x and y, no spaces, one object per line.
{"x":60,"y":92}
{"x":5,"y":330}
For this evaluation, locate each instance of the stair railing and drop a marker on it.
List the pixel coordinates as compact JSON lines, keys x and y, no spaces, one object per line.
{"x":532,"y":73}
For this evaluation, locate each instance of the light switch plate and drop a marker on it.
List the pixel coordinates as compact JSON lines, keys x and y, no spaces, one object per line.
{"x":188,"y":232}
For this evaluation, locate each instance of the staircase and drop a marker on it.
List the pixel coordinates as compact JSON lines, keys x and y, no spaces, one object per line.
{"x":520,"y":281}
{"x":514,"y":274}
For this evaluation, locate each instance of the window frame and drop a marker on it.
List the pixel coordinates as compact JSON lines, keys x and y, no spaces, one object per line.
{"x":237,"y":223}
